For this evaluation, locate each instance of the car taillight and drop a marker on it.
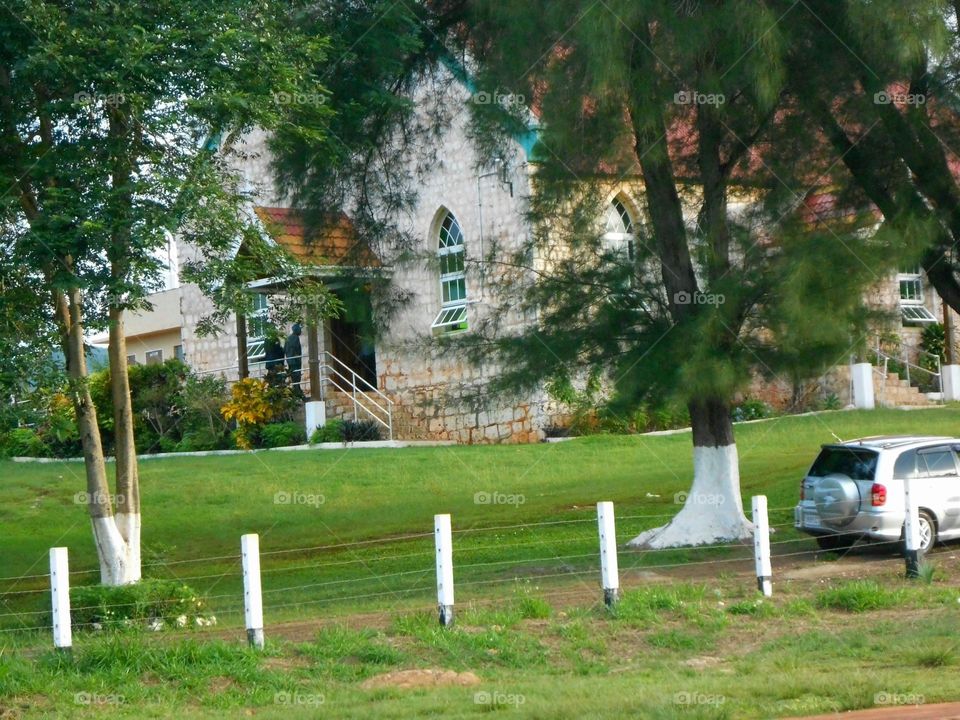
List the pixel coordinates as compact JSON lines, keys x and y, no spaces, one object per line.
{"x":878,"y":495}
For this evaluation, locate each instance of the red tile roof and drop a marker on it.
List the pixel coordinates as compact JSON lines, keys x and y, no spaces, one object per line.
{"x":336,"y":244}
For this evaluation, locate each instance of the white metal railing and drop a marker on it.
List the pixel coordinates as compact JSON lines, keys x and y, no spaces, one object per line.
{"x":368,"y":401}
{"x":342,"y":377}
{"x":904,"y":362}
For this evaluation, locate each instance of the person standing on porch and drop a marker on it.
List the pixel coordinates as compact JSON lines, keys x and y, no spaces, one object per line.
{"x":294,"y":352}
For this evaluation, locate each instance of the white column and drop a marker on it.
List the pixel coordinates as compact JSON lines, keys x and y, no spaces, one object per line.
{"x":950,"y":380}
{"x":609,"y":569}
{"x":863,"y":385}
{"x":60,"y":598}
{"x":443,"y":539}
{"x":761,"y":545}
{"x":252,"y":593}
{"x":911,"y":532}
{"x":315,"y":412}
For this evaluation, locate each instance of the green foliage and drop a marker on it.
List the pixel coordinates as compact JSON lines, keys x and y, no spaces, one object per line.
{"x":282,"y":434}
{"x":751,"y":410}
{"x":831,"y":402}
{"x":174,"y":409}
{"x":859,"y":596}
{"x":149,"y":599}
{"x":534,"y":608}
{"x":254,"y":403}
{"x":361,"y":430}
{"x":933,"y":341}
{"x":755,"y":608}
{"x":648,"y":603}
{"x":22,"y":442}
{"x":154,"y":391}
{"x":331,"y":431}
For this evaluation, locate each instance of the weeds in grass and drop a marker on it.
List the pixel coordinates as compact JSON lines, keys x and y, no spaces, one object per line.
{"x":646,"y":604}
{"x":927,"y":572}
{"x":344,"y":653}
{"x":859,"y":596}
{"x":534,"y":608}
{"x":937,"y":657}
{"x":756,"y":607}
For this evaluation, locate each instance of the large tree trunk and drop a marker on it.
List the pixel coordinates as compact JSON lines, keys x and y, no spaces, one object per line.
{"x":111,"y":548}
{"x":713,"y":509}
{"x":128,"y":478}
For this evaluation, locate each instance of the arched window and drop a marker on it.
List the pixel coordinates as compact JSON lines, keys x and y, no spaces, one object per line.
{"x":618,"y":233}
{"x":453,"y":277}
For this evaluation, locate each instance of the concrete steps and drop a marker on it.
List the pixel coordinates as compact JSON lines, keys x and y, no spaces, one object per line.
{"x":897,"y":392}
{"x":339,"y":406}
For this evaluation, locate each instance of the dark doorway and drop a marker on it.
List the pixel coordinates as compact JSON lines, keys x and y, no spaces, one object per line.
{"x":352,"y":336}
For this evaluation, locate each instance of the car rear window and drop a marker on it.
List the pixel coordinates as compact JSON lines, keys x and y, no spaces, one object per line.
{"x":855,"y":463}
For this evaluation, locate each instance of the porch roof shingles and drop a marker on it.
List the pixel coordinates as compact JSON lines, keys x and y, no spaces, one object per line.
{"x":336,"y":245}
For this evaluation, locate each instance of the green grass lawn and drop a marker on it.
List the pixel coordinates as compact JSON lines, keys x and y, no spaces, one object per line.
{"x":368,"y":547}
{"x":196,"y":508}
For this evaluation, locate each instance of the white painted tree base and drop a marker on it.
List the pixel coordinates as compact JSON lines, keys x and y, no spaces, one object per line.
{"x":114,"y":553}
{"x":712,"y":511}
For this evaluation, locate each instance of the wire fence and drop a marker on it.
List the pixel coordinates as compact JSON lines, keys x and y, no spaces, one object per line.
{"x":394,"y":572}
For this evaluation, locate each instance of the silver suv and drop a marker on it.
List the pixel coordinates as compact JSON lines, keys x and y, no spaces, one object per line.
{"x":855,"y":490}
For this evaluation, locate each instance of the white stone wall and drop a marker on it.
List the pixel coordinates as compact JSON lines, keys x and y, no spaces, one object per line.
{"x":443,"y":394}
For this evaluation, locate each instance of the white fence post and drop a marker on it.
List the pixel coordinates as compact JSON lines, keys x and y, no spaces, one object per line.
{"x":761,"y":545}
{"x":252,"y":594}
{"x":609,"y":570}
{"x":443,"y":538}
{"x":911,"y":532}
{"x":60,"y":598}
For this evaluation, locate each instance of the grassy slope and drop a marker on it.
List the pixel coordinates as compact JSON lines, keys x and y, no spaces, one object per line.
{"x":576,"y":664}
{"x":198,"y":507}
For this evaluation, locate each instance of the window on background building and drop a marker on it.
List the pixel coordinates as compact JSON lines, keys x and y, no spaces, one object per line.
{"x":132,"y":359}
{"x":257,"y":324}
{"x":912,"y":308}
{"x":154,"y":357}
{"x":453,"y":278}
{"x":178,"y":352}
{"x":618,"y":236}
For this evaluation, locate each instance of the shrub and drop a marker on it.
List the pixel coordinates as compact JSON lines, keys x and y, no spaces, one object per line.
{"x":332,"y":431}
{"x":253,"y":403}
{"x":282,"y":434}
{"x":202,"y":427}
{"x":22,"y":442}
{"x":203,"y":439}
{"x":167,"y":600}
{"x":750,"y":410}
{"x":361,"y":430}
{"x":59,"y":429}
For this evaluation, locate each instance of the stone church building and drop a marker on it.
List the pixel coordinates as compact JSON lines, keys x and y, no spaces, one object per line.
{"x":369,"y":367}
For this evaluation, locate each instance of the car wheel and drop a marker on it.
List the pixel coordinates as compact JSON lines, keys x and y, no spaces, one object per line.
{"x":928,"y":533}
{"x":836,"y":543}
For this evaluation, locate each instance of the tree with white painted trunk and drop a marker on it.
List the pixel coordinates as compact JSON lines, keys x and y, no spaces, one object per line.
{"x":666,"y":259}
{"x":105,"y":122}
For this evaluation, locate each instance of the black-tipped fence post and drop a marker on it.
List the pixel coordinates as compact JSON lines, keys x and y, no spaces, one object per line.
{"x":443,"y":539}
{"x":911,"y":532}
{"x":761,"y":545}
{"x":252,"y":594}
{"x":609,"y":569}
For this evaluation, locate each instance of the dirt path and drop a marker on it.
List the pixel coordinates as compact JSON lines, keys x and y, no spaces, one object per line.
{"x":947,"y":711}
